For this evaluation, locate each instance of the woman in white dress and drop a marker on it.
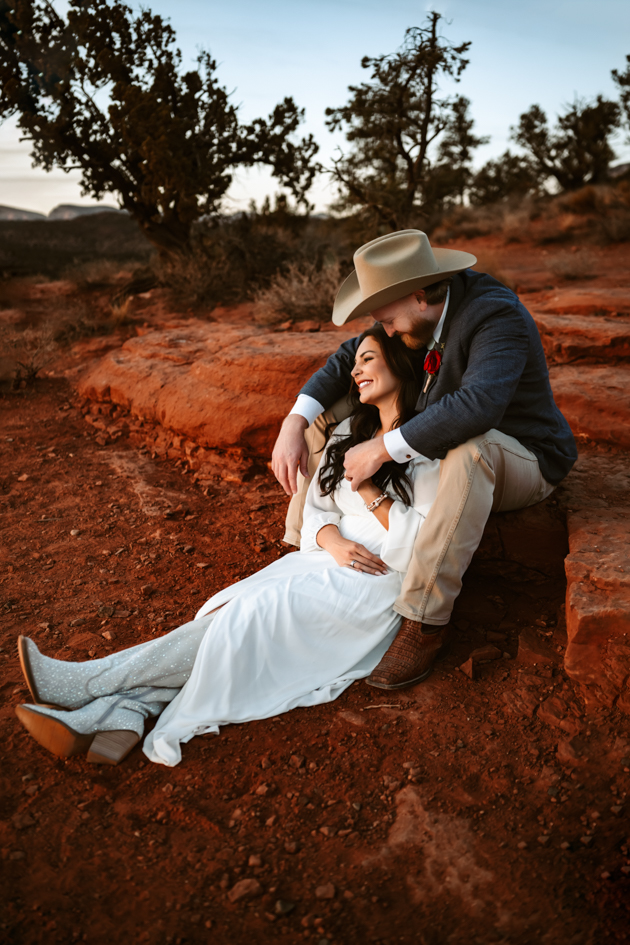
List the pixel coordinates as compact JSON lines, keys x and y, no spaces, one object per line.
{"x":297,"y":633}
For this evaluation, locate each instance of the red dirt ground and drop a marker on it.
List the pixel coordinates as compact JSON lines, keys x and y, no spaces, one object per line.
{"x":442,"y":814}
{"x":91,"y":851}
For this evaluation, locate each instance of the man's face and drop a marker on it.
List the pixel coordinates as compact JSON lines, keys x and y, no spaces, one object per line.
{"x":411,"y":318}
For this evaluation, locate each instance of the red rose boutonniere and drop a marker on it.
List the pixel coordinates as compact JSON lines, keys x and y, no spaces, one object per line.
{"x":432,"y":364}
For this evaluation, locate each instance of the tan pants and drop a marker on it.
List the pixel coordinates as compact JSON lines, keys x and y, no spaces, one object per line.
{"x":492,"y":472}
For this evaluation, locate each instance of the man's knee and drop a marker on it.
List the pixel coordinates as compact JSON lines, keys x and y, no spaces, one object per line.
{"x":470,"y":450}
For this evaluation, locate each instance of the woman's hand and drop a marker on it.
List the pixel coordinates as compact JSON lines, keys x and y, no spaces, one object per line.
{"x":349,"y":554}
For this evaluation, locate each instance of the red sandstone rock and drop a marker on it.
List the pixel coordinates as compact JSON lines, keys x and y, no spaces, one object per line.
{"x":572,"y":751}
{"x":588,"y":302}
{"x":220,"y":386}
{"x":598,"y":604}
{"x":521,"y":702}
{"x":468,"y":668}
{"x":553,"y":710}
{"x":524,"y":545}
{"x":595,"y":399}
{"x":485,"y":653}
{"x":531,"y":649}
{"x":575,"y":337}
{"x":623,"y":702}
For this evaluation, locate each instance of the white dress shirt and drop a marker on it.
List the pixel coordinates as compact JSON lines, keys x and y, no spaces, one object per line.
{"x":395,"y":443}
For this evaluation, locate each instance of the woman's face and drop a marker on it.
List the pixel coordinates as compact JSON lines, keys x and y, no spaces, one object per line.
{"x":371,"y":374}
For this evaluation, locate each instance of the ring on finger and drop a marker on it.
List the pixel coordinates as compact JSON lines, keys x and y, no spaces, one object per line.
{"x":352,"y":563}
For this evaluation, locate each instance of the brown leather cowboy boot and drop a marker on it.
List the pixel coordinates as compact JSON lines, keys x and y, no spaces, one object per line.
{"x":410,"y":658}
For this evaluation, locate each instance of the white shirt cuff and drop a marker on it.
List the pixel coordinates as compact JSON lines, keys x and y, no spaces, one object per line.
{"x":307,"y":407}
{"x":398,"y":448}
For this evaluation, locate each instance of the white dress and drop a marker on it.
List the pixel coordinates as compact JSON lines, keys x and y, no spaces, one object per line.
{"x":303,"y":629}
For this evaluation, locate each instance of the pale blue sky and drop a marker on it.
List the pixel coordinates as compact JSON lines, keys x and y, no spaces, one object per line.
{"x":541,"y":51}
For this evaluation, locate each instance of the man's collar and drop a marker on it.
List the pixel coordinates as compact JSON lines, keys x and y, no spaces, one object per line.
{"x":438,"y":328}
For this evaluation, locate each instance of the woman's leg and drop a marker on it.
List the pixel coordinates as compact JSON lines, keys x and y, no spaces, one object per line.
{"x":107,"y":729}
{"x":165,"y":662}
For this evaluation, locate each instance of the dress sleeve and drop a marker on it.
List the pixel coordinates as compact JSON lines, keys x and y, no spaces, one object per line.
{"x":405,"y":521}
{"x":319,"y":510}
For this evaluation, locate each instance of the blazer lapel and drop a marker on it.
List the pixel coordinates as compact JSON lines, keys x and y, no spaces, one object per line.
{"x":456,"y":297}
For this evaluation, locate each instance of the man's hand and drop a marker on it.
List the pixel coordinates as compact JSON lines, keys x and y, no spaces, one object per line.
{"x":362,"y":461}
{"x":290,"y":453}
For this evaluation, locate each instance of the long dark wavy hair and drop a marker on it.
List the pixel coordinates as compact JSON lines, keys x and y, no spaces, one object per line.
{"x":404,"y":364}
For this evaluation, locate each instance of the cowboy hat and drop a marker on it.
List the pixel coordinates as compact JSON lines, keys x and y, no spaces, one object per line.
{"x":392,"y":267}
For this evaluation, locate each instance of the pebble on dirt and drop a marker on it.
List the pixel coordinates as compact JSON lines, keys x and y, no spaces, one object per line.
{"x":327,"y":891}
{"x":245,"y":889}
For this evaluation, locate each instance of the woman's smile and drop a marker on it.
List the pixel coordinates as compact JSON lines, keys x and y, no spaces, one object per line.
{"x":367,"y":387}
{"x":371,"y":374}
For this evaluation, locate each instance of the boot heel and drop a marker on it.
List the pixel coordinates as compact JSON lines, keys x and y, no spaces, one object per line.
{"x":110,"y":748}
{"x":52,"y":733}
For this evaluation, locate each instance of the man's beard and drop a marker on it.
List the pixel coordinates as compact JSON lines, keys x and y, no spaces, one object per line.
{"x":418,"y":338}
{"x":410,"y":341}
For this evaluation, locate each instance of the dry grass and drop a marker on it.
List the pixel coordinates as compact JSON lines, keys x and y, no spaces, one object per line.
{"x":96,"y":274}
{"x":598,"y":214}
{"x":78,"y":319}
{"x":511,"y":219}
{"x":615,"y":226}
{"x":198,"y":277}
{"x":237,"y":259}
{"x":26,"y":349}
{"x":229,"y":262}
{"x":82,"y":318}
{"x":301,"y":292}
{"x":121,"y":312}
{"x":25,"y":352}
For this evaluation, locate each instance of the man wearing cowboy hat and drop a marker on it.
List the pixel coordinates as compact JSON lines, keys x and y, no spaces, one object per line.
{"x":486,"y":411}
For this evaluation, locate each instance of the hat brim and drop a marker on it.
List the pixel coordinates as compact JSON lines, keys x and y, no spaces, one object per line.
{"x":349,"y":302}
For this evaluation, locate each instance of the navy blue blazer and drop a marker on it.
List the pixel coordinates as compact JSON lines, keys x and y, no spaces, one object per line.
{"x":493,"y":376}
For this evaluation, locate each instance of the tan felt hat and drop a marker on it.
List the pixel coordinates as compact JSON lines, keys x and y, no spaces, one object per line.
{"x":391,"y":267}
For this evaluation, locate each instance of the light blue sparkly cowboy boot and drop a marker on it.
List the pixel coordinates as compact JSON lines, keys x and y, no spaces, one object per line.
{"x":166,"y":661}
{"x":107,"y":729}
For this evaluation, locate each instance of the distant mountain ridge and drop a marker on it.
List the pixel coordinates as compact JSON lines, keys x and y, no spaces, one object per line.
{"x":65,"y":211}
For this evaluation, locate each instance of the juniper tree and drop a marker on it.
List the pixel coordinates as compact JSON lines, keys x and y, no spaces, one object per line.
{"x":452,"y":173}
{"x":103,"y":91}
{"x":578,"y":150}
{"x":393,"y":123}
{"x":622,"y":81}
{"x":510,"y":175}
